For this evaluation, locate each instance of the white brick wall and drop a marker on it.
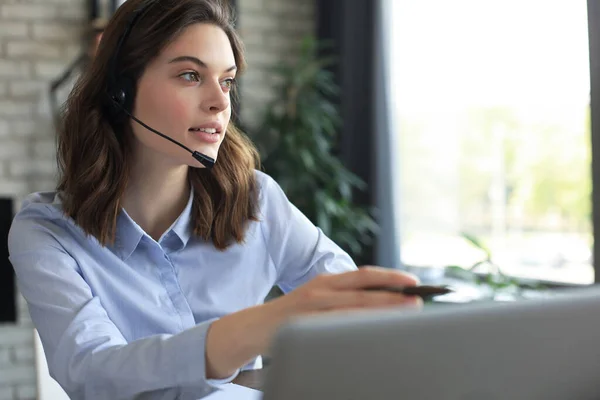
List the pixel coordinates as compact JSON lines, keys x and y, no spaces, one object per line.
{"x":38,"y":39}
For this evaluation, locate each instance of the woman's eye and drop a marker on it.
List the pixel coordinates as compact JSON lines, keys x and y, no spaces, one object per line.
{"x":228,"y":83}
{"x":190,"y":76}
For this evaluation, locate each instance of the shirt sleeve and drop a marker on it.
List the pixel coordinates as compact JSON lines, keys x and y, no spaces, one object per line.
{"x":299,"y":249}
{"x":86,"y":353}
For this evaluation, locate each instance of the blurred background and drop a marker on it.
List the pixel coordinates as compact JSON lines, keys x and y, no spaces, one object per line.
{"x":449,"y":139}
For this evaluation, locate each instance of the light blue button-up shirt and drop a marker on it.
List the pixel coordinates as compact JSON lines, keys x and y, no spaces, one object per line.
{"x":130,"y":319}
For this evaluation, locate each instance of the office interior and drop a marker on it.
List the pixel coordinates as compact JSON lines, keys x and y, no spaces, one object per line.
{"x":464,"y":137}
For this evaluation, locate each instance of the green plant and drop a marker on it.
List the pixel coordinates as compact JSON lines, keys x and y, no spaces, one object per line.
{"x":494,"y":280}
{"x":297,"y":139}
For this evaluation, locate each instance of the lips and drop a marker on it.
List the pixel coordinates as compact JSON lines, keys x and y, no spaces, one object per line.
{"x":207,"y":130}
{"x":210,"y":127}
{"x":206,"y":135}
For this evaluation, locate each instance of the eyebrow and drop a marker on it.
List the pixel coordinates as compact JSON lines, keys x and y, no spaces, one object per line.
{"x":197,"y":61}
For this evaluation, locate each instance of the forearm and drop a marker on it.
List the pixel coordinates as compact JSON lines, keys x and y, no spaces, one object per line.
{"x":92,"y":365}
{"x":236,"y":339}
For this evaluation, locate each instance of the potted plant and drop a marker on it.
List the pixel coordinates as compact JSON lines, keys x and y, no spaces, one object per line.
{"x":297,"y":139}
{"x":487,"y":281}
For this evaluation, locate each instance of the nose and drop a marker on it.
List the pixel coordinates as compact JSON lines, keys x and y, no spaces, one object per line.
{"x":215,"y":100}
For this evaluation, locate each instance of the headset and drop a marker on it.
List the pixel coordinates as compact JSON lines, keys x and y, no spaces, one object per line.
{"x":121,"y":89}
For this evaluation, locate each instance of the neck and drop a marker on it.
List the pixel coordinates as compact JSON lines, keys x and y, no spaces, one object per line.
{"x":156,"y":194}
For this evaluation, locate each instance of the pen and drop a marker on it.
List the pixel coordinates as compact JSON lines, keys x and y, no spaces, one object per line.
{"x":421,"y":290}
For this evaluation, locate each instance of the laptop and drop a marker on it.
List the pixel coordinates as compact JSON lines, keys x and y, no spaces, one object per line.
{"x":532,"y":349}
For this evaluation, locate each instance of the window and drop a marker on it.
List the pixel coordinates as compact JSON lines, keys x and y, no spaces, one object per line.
{"x":492,"y":103}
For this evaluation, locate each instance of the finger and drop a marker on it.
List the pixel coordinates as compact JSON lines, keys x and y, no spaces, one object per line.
{"x":370,"y":276}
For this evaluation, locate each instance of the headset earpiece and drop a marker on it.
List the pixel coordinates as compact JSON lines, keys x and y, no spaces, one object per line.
{"x":121,"y":96}
{"x":120,"y":90}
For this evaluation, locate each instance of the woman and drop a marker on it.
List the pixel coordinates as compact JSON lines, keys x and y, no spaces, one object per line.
{"x":145,"y":272}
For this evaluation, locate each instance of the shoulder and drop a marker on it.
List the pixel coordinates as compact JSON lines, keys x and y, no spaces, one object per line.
{"x":263,"y":180}
{"x":40,"y":206}
{"x":40,"y":202}
{"x":40,"y":218}
{"x":271,"y":196}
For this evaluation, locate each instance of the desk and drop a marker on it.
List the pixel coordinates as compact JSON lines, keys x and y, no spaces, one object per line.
{"x":253,"y":379}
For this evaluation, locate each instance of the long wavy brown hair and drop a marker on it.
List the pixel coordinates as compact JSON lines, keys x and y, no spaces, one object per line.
{"x":94,"y":152}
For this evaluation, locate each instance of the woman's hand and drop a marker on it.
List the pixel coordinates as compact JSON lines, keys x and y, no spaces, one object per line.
{"x":346,"y":291}
{"x":236,"y":339}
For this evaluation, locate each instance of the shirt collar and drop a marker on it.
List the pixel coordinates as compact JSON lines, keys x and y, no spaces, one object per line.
{"x":183,"y":226}
{"x":129,"y":233}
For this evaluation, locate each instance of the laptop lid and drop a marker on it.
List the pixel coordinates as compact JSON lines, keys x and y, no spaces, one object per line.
{"x":534,"y":349}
